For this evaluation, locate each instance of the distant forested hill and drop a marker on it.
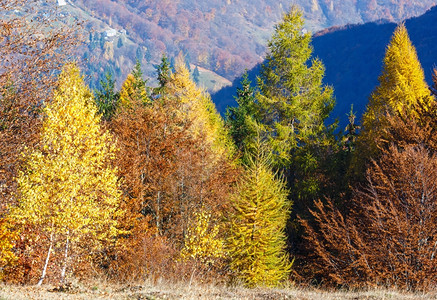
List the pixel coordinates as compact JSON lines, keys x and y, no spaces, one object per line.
{"x":353,"y":58}
{"x":223,"y":36}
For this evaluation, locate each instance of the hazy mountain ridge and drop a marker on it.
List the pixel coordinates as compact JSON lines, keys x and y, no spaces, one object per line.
{"x":227,"y":36}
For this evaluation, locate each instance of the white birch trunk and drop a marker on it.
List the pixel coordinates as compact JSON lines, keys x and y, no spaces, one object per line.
{"x":64,"y":268}
{"x":43,"y":275}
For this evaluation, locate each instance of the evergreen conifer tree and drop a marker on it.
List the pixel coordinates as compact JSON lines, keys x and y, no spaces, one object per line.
{"x":139,"y":54}
{"x":120,"y":42}
{"x":102,"y":40}
{"x":242,"y":119}
{"x":106,"y":98}
{"x":140,"y":83}
{"x":293,"y":101}
{"x":351,"y":134}
{"x":293,"y":106}
{"x":164,"y":74}
{"x":196,"y":75}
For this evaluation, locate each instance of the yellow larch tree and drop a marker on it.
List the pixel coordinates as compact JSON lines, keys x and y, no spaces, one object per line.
{"x":402,"y":83}
{"x":256,"y":240}
{"x":402,"y":89}
{"x":127,"y":91}
{"x":200,"y":110}
{"x":68,"y":189}
{"x":134,"y":87}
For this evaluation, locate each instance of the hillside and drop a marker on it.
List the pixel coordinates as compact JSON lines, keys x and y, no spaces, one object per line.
{"x":222,"y":36}
{"x":353,"y":57}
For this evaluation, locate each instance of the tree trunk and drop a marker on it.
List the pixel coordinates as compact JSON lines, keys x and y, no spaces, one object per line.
{"x":158,"y":213}
{"x":43,"y":275}
{"x":64,"y":268}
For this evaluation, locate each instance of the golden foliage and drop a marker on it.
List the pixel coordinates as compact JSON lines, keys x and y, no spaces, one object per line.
{"x":33,"y":50}
{"x":256,"y":241}
{"x":402,"y":83}
{"x":200,"y":110}
{"x":68,"y":189}
{"x":8,"y":239}
{"x":402,"y":89}
{"x":202,"y":242}
{"x":168,"y":173}
{"x":133,"y":88}
{"x":127,"y":91}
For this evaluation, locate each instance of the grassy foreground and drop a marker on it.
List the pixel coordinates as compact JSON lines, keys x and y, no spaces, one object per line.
{"x":163,"y":290}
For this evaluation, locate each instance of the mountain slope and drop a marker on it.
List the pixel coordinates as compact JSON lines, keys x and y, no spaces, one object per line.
{"x":223,"y":36}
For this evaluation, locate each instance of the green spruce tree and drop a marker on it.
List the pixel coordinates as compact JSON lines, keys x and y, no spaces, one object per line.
{"x":140,"y":83}
{"x":139,"y":54}
{"x":196,"y":75}
{"x":106,"y":98}
{"x":164,"y":74}
{"x":120,"y":42}
{"x":293,"y":101}
{"x":242,"y":119}
{"x":293,"y":106}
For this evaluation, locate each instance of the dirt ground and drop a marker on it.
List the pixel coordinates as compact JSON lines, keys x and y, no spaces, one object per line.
{"x":162,"y":290}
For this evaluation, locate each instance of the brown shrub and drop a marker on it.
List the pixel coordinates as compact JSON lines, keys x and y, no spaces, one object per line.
{"x":389,"y":237}
{"x":31,"y":53}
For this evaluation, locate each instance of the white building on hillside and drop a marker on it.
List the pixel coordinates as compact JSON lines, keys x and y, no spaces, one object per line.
{"x":111,"y":33}
{"x":62,"y":2}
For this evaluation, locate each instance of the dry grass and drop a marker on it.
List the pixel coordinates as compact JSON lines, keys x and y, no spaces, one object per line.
{"x":163,"y":290}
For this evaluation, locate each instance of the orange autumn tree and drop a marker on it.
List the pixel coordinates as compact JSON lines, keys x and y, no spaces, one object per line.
{"x":149,"y":137}
{"x":167,"y":176}
{"x":68,"y":190}
{"x":33,"y":50}
{"x":170,"y":171}
{"x":388,"y":235}
{"x":388,"y":238}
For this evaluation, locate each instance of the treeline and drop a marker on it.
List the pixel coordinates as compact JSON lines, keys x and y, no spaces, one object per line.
{"x":151,"y":182}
